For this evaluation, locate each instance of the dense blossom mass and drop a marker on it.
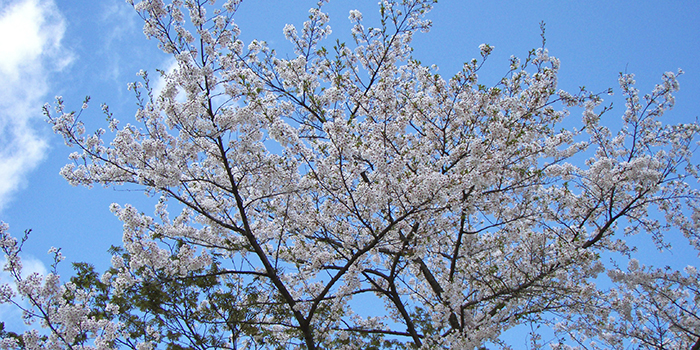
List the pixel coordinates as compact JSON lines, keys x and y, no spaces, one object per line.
{"x":350,"y":173}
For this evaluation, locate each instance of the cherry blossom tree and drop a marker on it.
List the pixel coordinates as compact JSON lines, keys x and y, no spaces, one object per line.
{"x":350,"y":172}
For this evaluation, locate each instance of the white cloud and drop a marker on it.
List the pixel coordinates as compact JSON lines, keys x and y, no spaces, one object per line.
{"x":119,"y":22}
{"x":159,"y":85}
{"x":30,"y":265}
{"x":30,"y":37}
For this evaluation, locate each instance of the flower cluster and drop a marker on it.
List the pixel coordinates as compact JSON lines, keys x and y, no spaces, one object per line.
{"x":300,"y":183}
{"x":64,"y":309}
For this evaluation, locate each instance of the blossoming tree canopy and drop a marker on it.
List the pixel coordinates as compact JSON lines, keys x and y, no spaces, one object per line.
{"x":350,"y":171}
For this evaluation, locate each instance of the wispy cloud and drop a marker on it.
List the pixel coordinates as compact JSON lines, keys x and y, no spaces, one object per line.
{"x":30,"y":36}
{"x":119,"y":22}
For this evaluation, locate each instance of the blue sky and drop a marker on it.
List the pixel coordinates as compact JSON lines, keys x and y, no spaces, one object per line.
{"x":75,"y":48}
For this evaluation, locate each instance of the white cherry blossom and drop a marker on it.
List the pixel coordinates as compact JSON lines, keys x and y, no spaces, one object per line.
{"x":288,"y":186}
